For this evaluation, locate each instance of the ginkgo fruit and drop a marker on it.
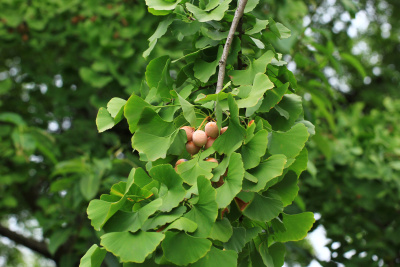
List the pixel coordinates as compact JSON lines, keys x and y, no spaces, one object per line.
{"x":210,"y":142}
{"x":224,"y":129}
{"x":189,"y":132}
{"x":179,"y":162}
{"x":191,"y":148}
{"x":211,"y":129}
{"x":199,"y":138}
{"x":212,"y":160}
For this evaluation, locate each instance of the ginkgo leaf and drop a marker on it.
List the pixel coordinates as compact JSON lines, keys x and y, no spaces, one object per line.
{"x":205,"y":211}
{"x":205,"y":15}
{"x":246,"y":77}
{"x":232,"y":183}
{"x":171,"y":190}
{"x":131,"y":247}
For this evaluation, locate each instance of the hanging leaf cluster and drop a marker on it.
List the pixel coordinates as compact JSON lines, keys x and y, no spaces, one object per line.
{"x":222,"y":212}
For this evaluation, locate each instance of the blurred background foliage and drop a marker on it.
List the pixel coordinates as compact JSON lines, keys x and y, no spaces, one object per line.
{"x":62,"y":60}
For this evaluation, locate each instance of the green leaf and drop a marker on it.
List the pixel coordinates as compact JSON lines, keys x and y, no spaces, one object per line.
{"x":301,"y":162}
{"x":258,"y":26}
{"x":162,"y":4}
{"x":160,"y":31}
{"x":274,"y":255}
{"x":188,"y":111}
{"x":232,"y":183}
{"x":182,"y":249}
{"x":203,"y":70}
{"x":264,"y":173}
{"x":24,"y":141}
{"x":104,"y":121}
{"x":194,"y":168}
{"x":163,"y":218}
{"x":232,"y":139}
{"x":217,"y":258}
{"x":132,"y":221}
{"x":297,"y":227}
{"x":246,"y":77}
{"x":254,"y":149}
{"x":260,"y":86}
{"x":171,"y":190}
{"x":89,"y":185}
{"x":263,"y":208}
{"x":183,"y":224}
{"x":287,"y":189}
{"x":284,"y":32}
{"x":205,"y":211}
{"x":159,"y":12}
{"x":203,"y":15}
{"x":11,"y":117}
{"x":277,"y":251}
{"x":133,"y":110}
{"x":5,"y":86}
{"x":70,"y":166}
{"x":241,"y":237}
{"x":272,"y":97}
{"x":154,"y":135}
{"x":116,"y":108}
{"x":99,"y":211}
{"x":157,"y":76}
{"x":288,"y":143}
{"x":352,"y":60}
{"x":222,"y":230}
{"x":278,"y":29}
{"x":290,"y":108}
{"x":131,"y":247}
{"x":58,"y":238}
{"x":93,"y":257}
{"x":93,"y":78}
{"x":251,"y":4}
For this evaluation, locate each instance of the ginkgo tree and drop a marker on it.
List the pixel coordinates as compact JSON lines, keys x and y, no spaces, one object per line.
{"x":205,"y":213}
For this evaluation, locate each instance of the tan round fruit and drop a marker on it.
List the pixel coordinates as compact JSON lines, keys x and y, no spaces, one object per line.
{"x":211,"y":129}
{"x":199,"y":138}
{"x":189,"y":132}
{"x":191,"y":148}
{"x":224,"y":129}
{"x":212,"y":160}
{"x":179,"y":162}
{"x":210,"y":142}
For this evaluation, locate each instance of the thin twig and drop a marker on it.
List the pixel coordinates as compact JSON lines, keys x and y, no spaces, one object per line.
{"x":224,"y":57}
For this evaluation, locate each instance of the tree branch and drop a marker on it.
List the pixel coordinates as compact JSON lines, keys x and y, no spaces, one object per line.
{"x":34,"y":245}
{"x":224,"y":57}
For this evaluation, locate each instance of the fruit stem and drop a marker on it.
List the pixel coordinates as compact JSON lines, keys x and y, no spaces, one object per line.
{"x":201,"y":125}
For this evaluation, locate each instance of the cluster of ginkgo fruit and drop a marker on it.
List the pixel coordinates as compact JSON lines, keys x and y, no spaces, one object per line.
{"x":198,"y":139}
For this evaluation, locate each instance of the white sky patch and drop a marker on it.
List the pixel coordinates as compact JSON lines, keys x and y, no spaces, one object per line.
{"x":53,"y":126}
{"x":359,"y":24}
{"x":318,"y":240}
{"x":349,"y":254}
{"x":58,"y":80}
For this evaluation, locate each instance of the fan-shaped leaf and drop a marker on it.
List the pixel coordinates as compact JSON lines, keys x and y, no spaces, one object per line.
{"x":264,"y":173}
{"x":297,"y":227}
{"x":182,"y":249}
{"x":171,"y":191}
{"x":205,"y":211}
{"x":217,"y":258}
{"x":131,"y":247}
{"x":232,"y":183}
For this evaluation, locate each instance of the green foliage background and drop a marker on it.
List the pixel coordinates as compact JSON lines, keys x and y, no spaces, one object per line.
{"x":61,"y":61}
